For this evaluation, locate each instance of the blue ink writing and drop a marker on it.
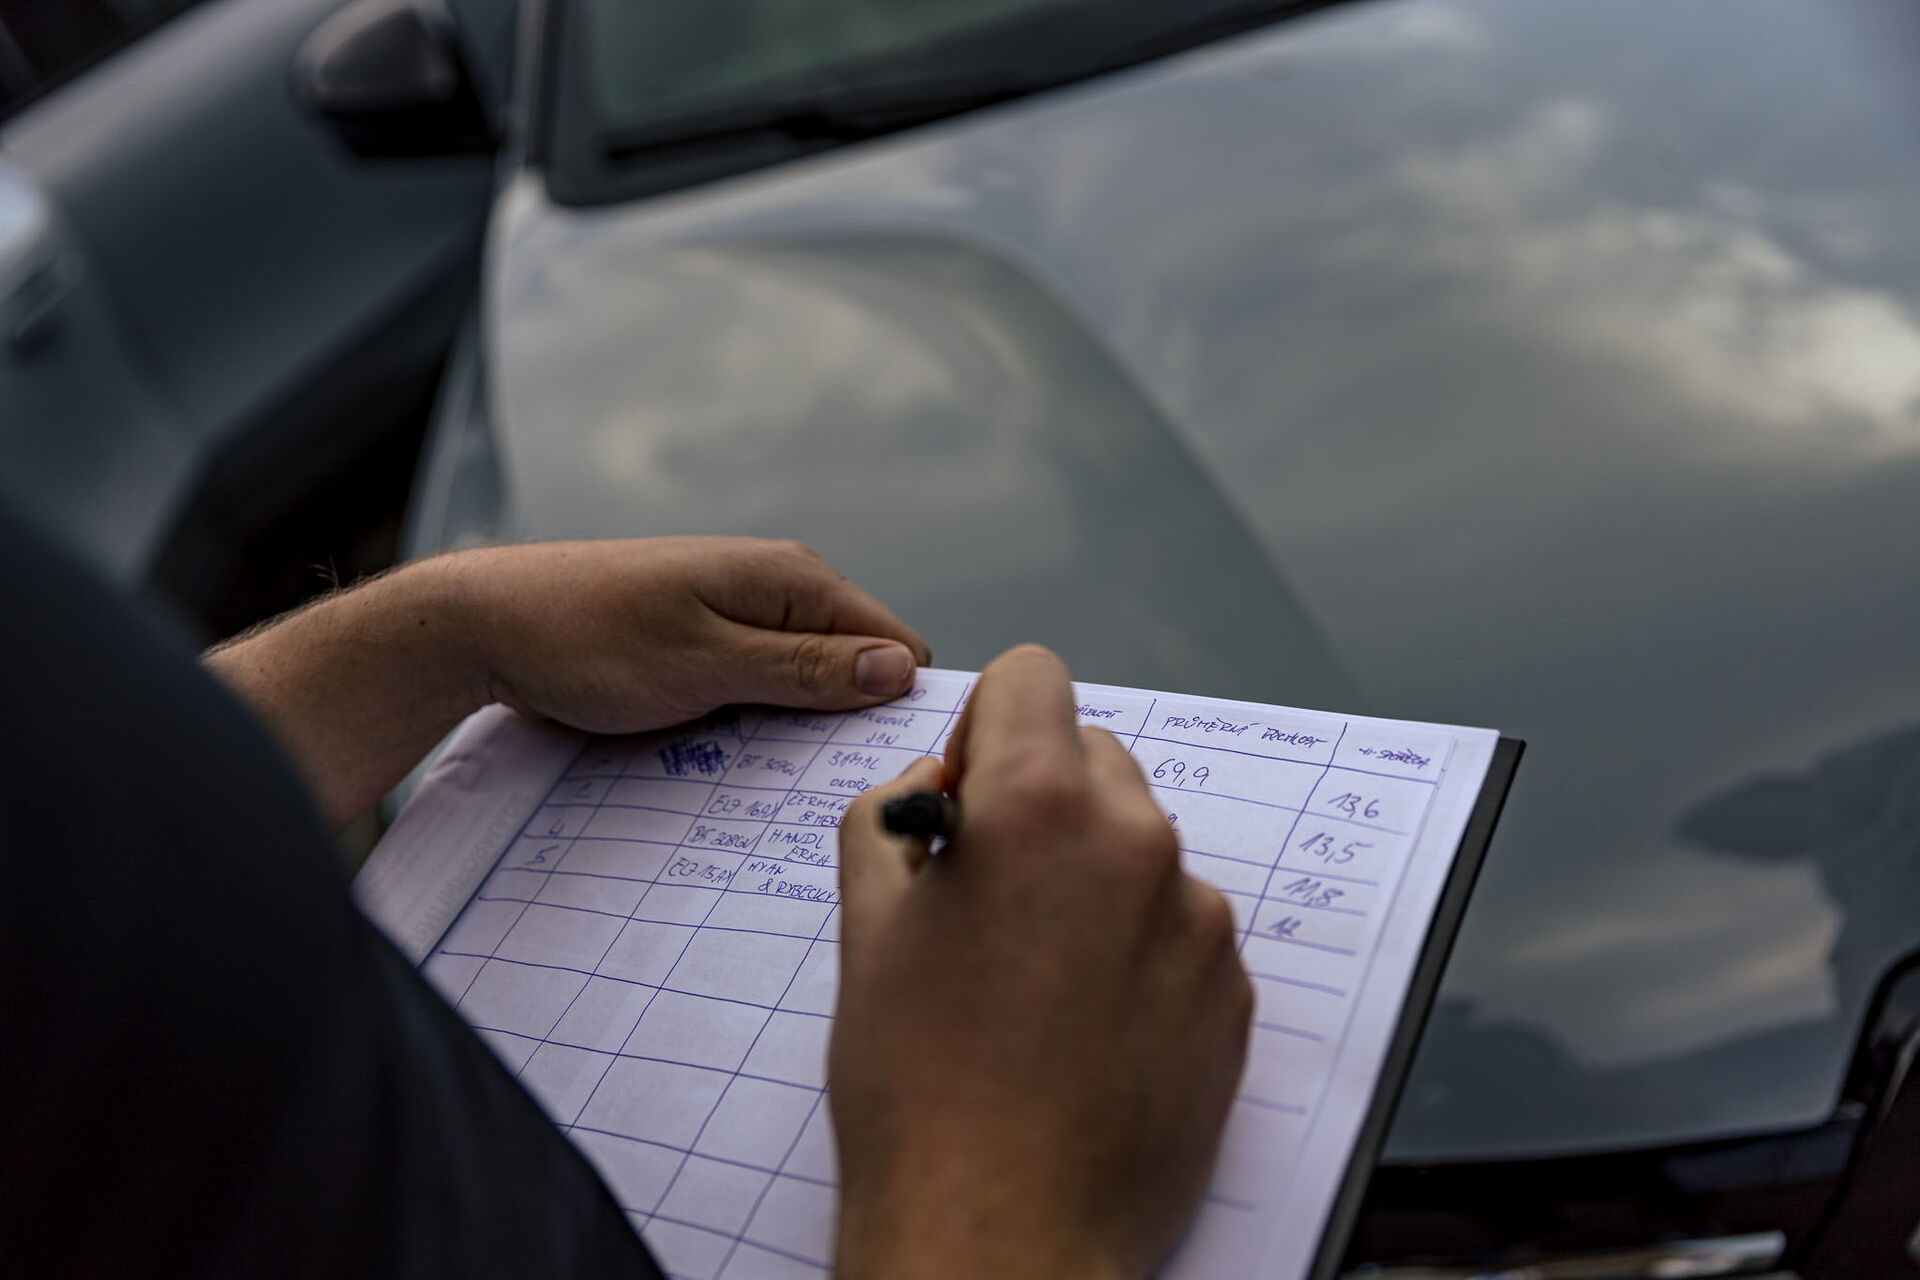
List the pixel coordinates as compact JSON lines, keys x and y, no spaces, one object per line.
{"x":681,"y":759}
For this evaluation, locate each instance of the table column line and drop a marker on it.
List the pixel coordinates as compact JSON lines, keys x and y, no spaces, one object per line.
{"x":691,"y":934}
{"x":612,"y":942}
{"x":495,"y":870}
{"x":1247,"y":933}
{"x":668,"y":977}
{"x":819,"y":1094}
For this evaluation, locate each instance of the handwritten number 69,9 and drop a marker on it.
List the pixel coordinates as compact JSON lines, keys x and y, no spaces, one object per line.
{"x":1174,"y":773}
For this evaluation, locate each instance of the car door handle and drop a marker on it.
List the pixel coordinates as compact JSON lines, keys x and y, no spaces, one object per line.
{"x":32,"y":311}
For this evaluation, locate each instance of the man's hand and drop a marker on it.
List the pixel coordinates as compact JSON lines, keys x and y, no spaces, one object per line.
{"x":618,"y":637}
{"x":1039,"y":1031}
{"x":612,"y":637}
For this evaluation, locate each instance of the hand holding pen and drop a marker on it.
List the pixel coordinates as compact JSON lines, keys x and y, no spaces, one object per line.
{"x":1045,"y":1023}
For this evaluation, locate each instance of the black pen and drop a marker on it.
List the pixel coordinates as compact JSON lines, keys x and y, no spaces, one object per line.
{"x":926,"y":814}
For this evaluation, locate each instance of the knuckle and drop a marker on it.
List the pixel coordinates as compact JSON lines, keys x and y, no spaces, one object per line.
{"x":1146,"y":831}
{"x":1028,"y":651}
{"x":1025,"y":654}
{"x":1050,"y":789}
{"x":1244,"y":997}
{"x":811,"y":661}
{"x":1212,"y":917}
{"x":798,"y":550}
{"x":860,"y":809}
{"x":1042,"y":802}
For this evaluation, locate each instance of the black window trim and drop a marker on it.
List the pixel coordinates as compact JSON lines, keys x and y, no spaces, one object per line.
{"x":565,"y":151}
{"x":13,"y":61}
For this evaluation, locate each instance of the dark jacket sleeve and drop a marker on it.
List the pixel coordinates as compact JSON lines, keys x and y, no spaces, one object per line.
{"x":210,"y":1064}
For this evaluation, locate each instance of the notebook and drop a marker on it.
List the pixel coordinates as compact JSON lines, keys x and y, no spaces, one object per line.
{"x":645,"y":930}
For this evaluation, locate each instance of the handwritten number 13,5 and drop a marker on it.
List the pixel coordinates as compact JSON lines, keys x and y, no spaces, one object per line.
{"x":1174,"y":773}
{"x":1321,"y":846}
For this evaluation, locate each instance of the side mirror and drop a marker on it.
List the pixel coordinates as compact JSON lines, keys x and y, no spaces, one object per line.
{"x":390,"y":77}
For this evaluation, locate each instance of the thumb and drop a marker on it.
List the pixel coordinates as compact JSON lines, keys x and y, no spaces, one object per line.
{"x":876,"y":866}
{"x":818,"y":671}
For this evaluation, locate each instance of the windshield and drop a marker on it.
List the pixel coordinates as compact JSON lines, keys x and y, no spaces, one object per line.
{"x":647,"y":97}
{"x":651,"y":62}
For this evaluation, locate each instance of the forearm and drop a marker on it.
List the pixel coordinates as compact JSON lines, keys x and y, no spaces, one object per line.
{"x":610,"y":637}
{"x":359,"y":686}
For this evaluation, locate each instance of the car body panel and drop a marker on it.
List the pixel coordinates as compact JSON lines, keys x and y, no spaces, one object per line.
{"x":964,"y":442}
{"x":240,"y":254}
{"x":87,"y":438}
{"x":1552,"y":366}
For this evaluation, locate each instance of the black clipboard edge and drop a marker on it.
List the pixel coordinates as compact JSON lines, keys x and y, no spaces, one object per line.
{"x":1418,"y":1003}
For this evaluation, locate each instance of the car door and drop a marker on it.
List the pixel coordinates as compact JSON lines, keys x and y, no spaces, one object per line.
{"x":222,"y":305}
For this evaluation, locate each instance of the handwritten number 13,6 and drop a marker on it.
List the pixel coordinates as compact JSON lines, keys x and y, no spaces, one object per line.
{"x":1355,"y":805}
{"x":1174,"y":773}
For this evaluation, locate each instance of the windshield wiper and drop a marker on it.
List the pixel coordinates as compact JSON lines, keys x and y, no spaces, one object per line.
{"x":833,"y":112}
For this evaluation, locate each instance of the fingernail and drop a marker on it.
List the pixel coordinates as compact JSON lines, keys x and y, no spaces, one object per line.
{"x":883,"y":671}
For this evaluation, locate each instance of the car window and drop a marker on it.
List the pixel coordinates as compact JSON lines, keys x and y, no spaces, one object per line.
{"x":646,"y":61}
{"x":643,"y":98}
{"x":44,"y":45}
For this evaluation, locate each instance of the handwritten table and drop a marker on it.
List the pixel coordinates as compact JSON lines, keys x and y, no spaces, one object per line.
{"x":655,"y":951}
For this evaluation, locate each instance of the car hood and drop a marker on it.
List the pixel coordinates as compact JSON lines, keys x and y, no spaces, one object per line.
{"x":1548,"y":367}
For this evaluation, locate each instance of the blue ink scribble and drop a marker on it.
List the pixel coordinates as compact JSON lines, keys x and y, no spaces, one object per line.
{"x":680,"y":759}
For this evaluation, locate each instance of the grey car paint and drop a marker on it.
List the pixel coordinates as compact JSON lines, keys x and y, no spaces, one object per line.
{"x":220,"y":249}
{"x":1553,"y":366}
{"x":86,"y":437}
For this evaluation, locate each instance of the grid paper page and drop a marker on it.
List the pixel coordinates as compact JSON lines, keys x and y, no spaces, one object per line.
{"x":653,"y":951}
